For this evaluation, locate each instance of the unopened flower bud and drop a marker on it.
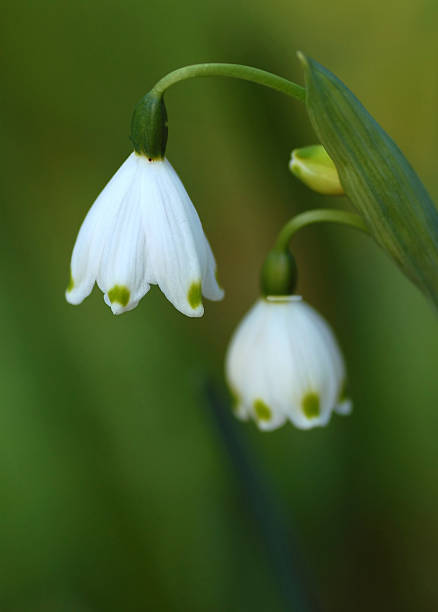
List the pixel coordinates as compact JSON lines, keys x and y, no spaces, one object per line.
{"x":313,"y":166}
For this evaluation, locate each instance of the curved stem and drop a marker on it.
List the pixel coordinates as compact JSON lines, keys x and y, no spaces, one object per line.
{"x":318,"y":216}
{"x":236,"y":71}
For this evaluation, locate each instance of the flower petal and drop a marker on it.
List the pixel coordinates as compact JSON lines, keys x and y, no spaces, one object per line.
{"x":171,"y":224}
{"x":344,"y":407}
{"x":93,"y":233}
{"x":122,"y":274}
{"x":315,"y":359}
{"x":210,"y":286}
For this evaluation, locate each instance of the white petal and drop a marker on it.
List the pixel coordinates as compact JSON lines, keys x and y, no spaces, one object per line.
{"x":314,"y":373}
{"x":246,"y":369}
{"x":178,"y":251}
{"x":93,"y":233}
{"x":344,"y":408}
{"x":210,"y":286}
{"x":122,"y":274}
{"x":118,"y":308}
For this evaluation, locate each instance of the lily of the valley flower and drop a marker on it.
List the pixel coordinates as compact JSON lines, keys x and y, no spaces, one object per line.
{"x":284,"y":363}
{"x":143,"y":230}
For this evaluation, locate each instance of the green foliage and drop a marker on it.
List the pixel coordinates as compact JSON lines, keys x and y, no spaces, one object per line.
{"x":376,"y":177}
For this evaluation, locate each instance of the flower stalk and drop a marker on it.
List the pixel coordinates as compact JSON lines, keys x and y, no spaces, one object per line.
{"x":234,"y":71}
{"x":319,"y":215}
{"x":149,"y":121}
{"x":279,"y":271}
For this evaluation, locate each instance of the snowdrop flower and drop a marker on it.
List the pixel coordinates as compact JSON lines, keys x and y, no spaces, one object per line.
{"x":283,"y":363}
{"x":143,"y":230}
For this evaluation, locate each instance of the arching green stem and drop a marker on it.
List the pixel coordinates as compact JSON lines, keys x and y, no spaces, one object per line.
{"x":236,"y":71}
{"x":279,"y":272}
{"x":149,"y":121}
{"x":319,"y":215}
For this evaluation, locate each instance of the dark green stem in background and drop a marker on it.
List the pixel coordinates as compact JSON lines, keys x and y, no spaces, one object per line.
{"x":236,"y":71}
{"x":282,"y":550}
{"x":319,"y":215}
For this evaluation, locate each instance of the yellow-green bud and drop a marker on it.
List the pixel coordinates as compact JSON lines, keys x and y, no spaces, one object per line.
{"x":313,"y":166}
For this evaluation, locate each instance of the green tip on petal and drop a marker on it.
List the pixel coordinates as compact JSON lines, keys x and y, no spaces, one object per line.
{"x":119,"y":294}
{"x":71,"y":283}
{"x":310,"y":405}
{"x":262,"y":410}
{"x":194,"y":295}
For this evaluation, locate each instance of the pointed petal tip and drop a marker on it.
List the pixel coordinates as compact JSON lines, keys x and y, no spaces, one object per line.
{"x":241,"y":414}
{"x":237,"y":407}
{"x":211,"y":287}
{"x":344,"y":408}
{"x":71,"y":293}
{"x":118,"y":309}
{"x":193,"y":313}
{"x":71,"y":299}
{"x":215,"y":296}
{"x":306,"y":423}
{"x":119,"y":306}
{"x":77,"y":295}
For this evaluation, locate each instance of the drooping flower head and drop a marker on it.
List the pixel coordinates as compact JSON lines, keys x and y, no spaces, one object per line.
{"x":142,"y":230}
{"x":283,"y":363}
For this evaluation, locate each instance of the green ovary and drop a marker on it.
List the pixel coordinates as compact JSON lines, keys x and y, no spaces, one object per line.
{"x":119,"y":294}
{"x":310,"y":405}
{"x":194,"y":295}
{"x":262,"y":410}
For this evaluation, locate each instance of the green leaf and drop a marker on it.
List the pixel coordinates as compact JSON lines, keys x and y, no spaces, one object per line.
{"x":376,"y":177}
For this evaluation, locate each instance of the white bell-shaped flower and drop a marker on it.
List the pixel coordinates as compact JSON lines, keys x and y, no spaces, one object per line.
{"x":143,"y":229}
{"x":283,"y":363}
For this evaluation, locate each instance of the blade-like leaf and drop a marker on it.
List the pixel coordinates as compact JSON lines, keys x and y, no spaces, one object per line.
{"x":376,"y":177}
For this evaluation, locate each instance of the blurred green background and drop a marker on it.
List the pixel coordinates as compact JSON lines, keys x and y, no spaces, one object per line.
{"x":117,"y":491}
